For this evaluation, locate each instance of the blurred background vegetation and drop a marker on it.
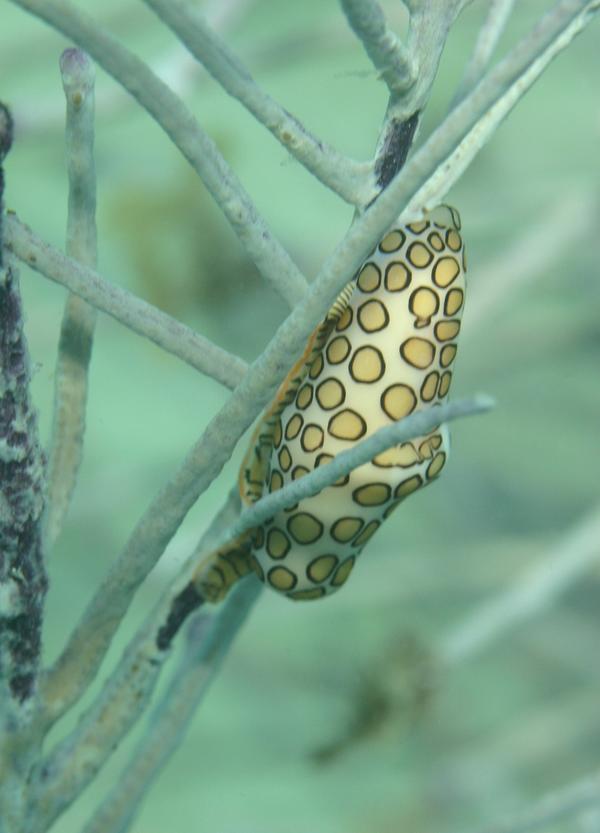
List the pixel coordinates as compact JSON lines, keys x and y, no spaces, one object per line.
{"x":335,"y":717}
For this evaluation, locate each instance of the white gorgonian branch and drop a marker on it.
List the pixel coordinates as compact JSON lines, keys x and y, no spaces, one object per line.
{"x":416,"y":425}
{"x":79,"y":318}
{"x":562,"y":803}
{"x":530,"y":595}
{"x":490,"y":33}
{"x":395,"y":63}
{"x":133,"y":312}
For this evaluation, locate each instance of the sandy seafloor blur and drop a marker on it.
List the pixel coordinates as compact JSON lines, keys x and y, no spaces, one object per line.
{"x":327,"y":718}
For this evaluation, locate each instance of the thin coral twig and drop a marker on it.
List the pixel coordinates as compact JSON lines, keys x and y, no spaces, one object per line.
{"x":79,"y":318}
{"x":530,"y":595}
{"x":563,"y":803}
{"x":271,"y":259}
{"x":490,"y":33}
{"x":140,"y":316}
{"x":530,"y":256}
{"x":430,"y":23}
{"x":395,"y":63}
{"x":416,"y":425}
{"x":342,"y":175}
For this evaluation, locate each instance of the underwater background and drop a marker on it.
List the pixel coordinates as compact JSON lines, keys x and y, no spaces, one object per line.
{"x":388,"y":707}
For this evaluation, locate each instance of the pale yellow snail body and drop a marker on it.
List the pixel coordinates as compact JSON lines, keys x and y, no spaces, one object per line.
{"x":385,"y":350}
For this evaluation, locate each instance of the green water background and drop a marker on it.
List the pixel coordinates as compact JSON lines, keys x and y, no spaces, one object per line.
{"x":328,"y":718}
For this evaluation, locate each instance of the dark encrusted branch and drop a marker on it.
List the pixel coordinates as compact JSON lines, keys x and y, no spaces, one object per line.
{"x":6,"y":137}
{"x":394,"y":149}
{"x":23,"y":579}
{"x":183,"y":604}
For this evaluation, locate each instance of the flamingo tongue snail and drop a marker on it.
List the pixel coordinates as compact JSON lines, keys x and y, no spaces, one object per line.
{"x":385,"y":349}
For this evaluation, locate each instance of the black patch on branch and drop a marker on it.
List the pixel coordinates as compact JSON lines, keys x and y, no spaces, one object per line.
{"x":75,"y":342}
{"x":395,"y":149}
{"x":6,"y":137}
{"x":6,"y":131}
{"x":183,"y":604}
{"x":23,"y":581}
